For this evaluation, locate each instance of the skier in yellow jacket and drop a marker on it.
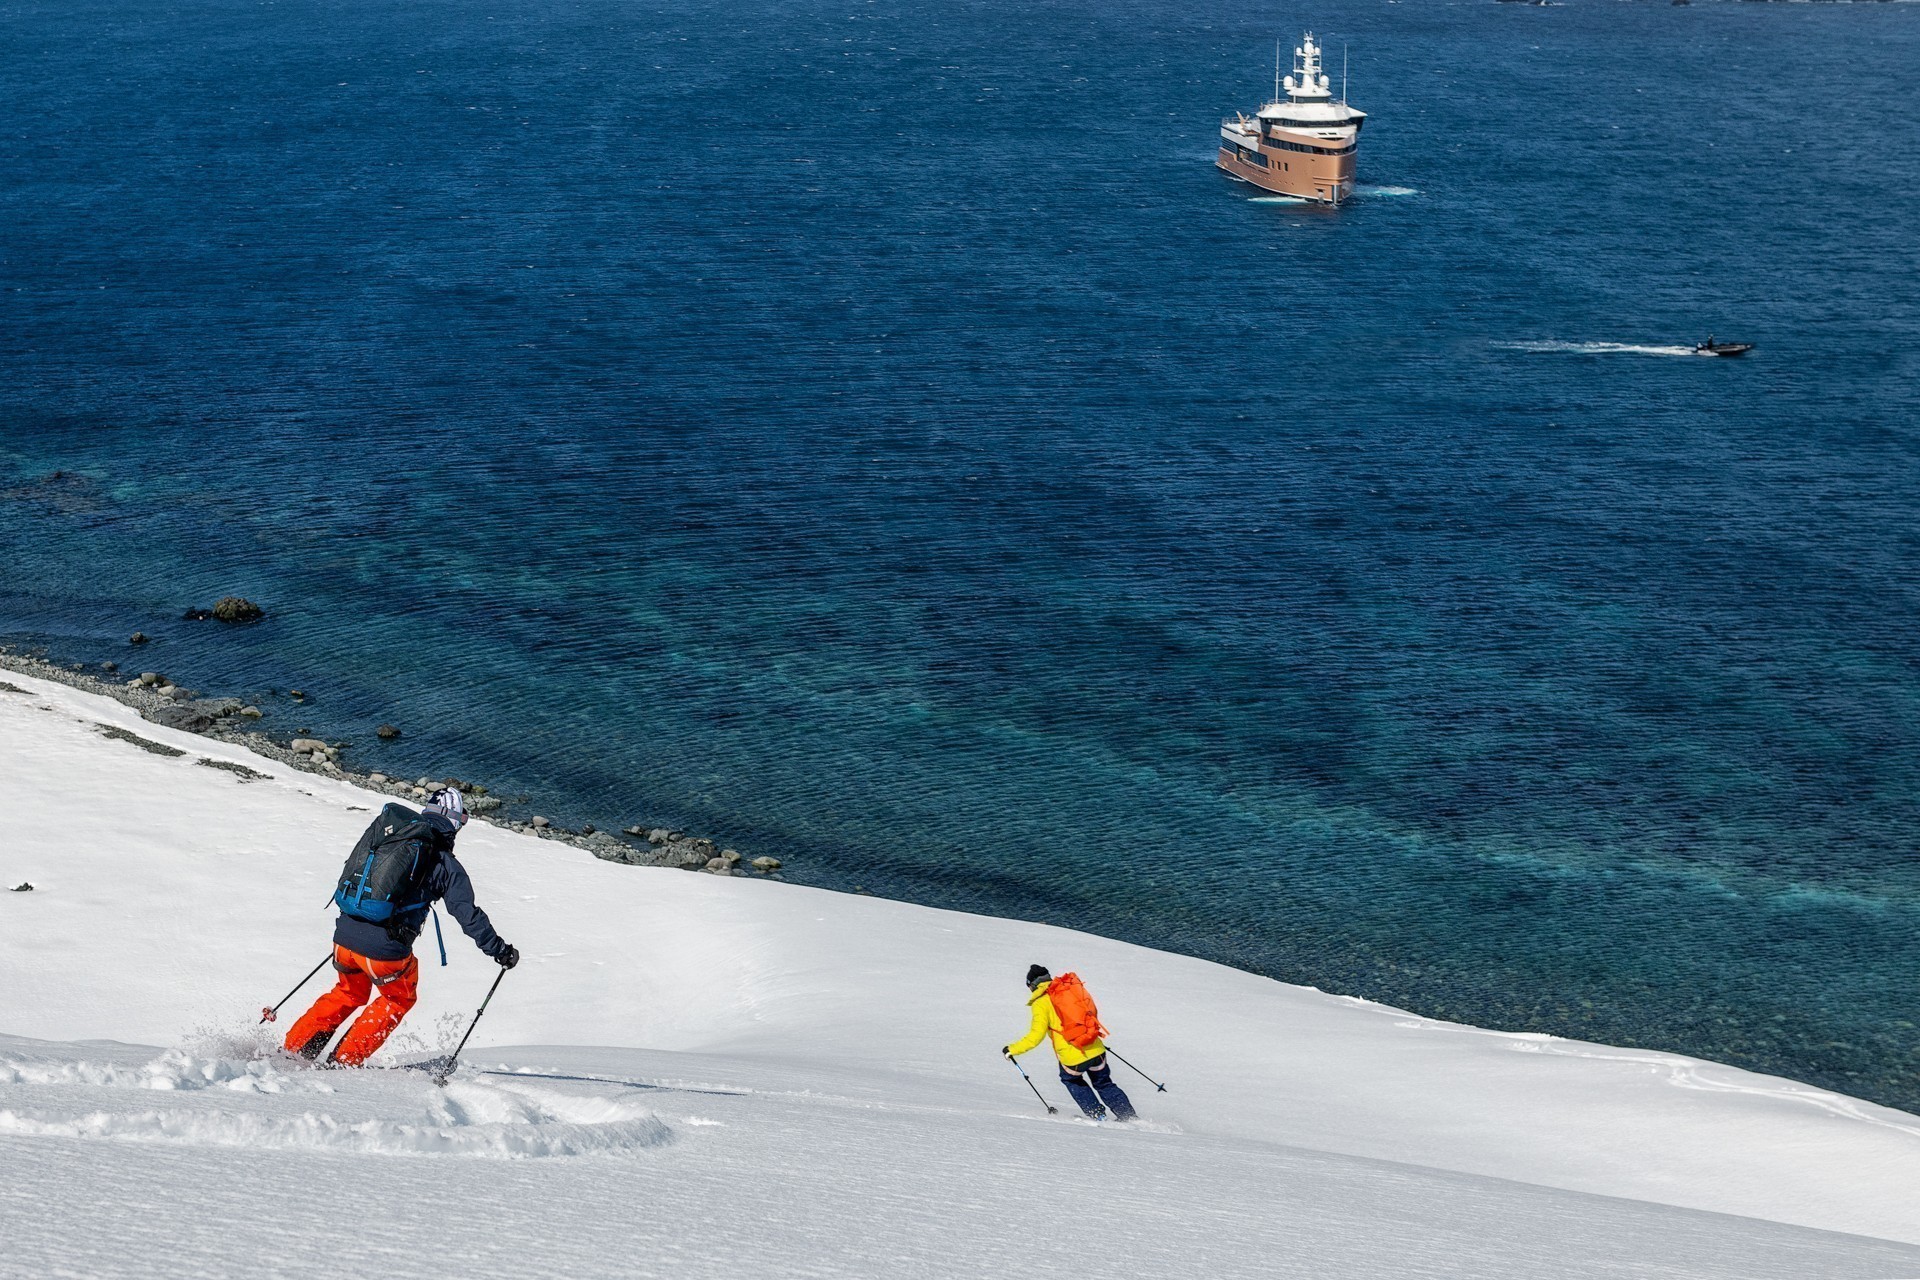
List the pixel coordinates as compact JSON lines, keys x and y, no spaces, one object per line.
{"x":1083,"y":1068}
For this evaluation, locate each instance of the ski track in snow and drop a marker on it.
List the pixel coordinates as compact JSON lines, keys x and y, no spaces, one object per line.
{"x":466,"y":1118}
{"x":173,"y":1070}
{"x":369,"y":1137}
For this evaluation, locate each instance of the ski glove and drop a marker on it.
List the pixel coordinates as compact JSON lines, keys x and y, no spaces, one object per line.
{"x":509,"y":956}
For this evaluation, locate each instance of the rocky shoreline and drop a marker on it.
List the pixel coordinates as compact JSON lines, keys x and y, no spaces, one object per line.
{"x":164,"y":703}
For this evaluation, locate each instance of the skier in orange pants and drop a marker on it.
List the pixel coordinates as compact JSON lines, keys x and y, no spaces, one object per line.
{"x":398,"y":982}
{"x":399,"y":869}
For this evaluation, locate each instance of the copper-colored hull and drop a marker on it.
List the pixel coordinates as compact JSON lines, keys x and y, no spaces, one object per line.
{"x":1308,"y":176}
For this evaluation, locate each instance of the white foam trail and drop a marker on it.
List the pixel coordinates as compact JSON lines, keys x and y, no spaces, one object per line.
{"x":1275,"y":200}
{"x":1597,"y":348}
{"x":1369,"y":189}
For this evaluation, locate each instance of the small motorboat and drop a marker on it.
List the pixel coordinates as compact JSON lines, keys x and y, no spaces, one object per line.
{"x":1712,"y":348}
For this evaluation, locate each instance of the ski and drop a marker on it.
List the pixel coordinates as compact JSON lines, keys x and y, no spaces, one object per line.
{"x":630,"y":1084}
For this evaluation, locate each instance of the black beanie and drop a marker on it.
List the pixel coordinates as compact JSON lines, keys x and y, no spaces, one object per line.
{"x":1037,"y":973}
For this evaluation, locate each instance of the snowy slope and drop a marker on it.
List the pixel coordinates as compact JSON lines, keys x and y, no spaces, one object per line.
{"x":854,"y":1117}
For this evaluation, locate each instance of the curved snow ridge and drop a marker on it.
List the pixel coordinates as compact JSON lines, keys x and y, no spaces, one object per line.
{"x":172,"y":1070}
{"x":314,"y":1132}
{"x":468,"y":1103}
{"x":1708,"y":1077}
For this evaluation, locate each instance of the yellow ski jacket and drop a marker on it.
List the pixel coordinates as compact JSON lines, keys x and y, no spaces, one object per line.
{"x":1046,"y":1022}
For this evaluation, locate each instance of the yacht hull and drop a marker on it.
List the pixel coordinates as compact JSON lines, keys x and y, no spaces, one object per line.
{"x":1327,"y":179}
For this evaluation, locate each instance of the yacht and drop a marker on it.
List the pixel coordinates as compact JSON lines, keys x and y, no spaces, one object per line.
{"x":1302,"y":143}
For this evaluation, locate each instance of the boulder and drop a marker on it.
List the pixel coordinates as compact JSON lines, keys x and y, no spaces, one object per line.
{"x":217,"y":707}
{"x":152,"y":678}
{"x":237,"y":609}
{"x":377,"y":777}
{"x":541,"y":822}
{"x":730,"y":856}
{"x":305,"y":745}
{"x":719,"y":867}
{"x":482,"y":804}
{"x":659,"y":835}
{"x":766,"y":864}
{"x":680,"y":853}
{"x":138,"y":637}
{"x":602,"y":845}
{"x":251,"y":713}
{"x":386,"y":733}
{"x":182,"y":717}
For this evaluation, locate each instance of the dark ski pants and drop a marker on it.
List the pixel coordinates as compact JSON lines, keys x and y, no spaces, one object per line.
{"x":1093,"y":1077}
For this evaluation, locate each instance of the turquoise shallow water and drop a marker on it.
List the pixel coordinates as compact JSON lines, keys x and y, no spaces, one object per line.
{"x":875,"y":435}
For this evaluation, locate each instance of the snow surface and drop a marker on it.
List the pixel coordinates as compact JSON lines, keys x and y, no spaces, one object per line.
{"x":691,"y":1075}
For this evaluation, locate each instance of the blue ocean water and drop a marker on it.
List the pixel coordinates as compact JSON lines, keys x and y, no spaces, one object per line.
{"x":871,"y":432}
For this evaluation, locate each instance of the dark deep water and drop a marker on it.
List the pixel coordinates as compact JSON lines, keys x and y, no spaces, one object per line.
{"x":872,"y":432}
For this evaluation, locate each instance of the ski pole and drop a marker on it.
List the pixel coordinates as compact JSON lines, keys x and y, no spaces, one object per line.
{"x":1051,"y":1109}
{"x":1137,"y":1071}
{"x":440,"y":1076}
{"x":267,"y":1015}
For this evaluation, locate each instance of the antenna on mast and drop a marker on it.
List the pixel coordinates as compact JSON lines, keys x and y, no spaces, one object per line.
{"x":1343,"y":73}
{"x":1276,"y":71}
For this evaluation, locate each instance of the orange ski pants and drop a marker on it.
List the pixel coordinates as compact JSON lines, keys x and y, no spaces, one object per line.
{"x":397,"y":981}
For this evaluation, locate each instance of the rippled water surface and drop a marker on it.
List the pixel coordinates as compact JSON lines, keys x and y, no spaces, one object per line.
{"x":873,"y":433}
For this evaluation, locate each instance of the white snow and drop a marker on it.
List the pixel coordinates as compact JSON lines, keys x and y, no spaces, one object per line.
{"x":693,"y":1075}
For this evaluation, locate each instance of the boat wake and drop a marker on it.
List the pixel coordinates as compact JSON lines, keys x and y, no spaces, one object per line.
{"x":1360,"y":190}
{"x":1595,"y":348}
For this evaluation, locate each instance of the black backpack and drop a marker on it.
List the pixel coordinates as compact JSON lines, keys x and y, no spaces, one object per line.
{"x":385,"y":876}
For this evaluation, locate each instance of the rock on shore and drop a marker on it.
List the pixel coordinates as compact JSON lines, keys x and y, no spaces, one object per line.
{"x":165,"y":703}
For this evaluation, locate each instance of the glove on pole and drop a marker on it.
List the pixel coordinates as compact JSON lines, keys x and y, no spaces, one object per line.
{"x":440,"y":1076}
{"x":267,"y":1015}
{"x":1137,"y":1071}
{"x":1051,"y":1109}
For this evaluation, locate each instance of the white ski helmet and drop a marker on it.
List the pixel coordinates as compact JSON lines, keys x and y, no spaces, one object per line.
{"x":447,"y":800}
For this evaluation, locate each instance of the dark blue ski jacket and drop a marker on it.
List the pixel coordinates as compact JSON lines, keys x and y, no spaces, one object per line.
{"x":446,"y":882}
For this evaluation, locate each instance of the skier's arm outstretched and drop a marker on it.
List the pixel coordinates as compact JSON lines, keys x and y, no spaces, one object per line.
{"x":473,"y":921}
{"x":1035,"y":1034}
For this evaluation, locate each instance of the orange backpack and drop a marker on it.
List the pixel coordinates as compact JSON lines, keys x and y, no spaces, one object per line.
{"x":1079,"y":1019}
